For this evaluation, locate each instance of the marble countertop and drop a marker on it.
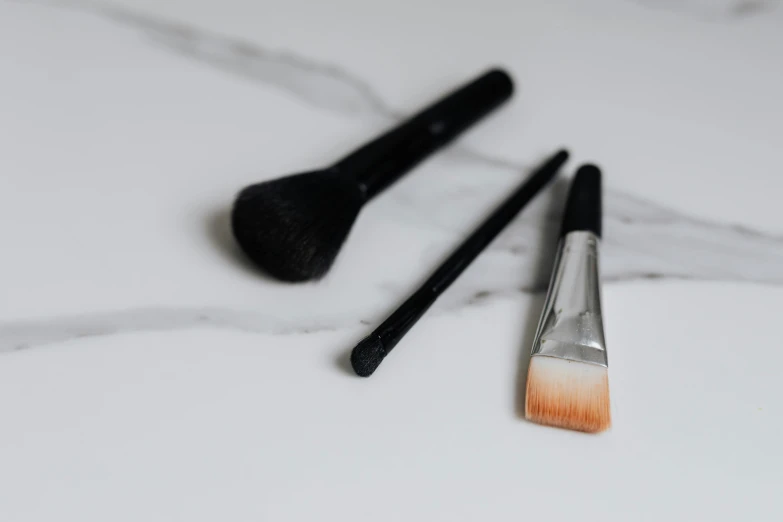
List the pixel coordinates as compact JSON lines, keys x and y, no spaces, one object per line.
{"x":148,"y":372}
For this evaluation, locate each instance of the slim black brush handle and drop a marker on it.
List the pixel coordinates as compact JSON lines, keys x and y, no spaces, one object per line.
{"x":397,"y":325}
{"x":583,"y":207}
{"x":379,"y":163}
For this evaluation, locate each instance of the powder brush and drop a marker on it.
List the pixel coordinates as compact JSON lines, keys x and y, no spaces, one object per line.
{"x":293,"y":227}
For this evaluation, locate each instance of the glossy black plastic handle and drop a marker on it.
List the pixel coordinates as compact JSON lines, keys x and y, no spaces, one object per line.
{"x":379,"y":163}
{"x":396,"y":326}
{"x":583,"y":208}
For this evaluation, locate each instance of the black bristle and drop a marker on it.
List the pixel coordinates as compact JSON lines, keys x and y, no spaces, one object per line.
{"x":293,"y":227}
{"x":367,"y":356}
{"x":369,"y":353}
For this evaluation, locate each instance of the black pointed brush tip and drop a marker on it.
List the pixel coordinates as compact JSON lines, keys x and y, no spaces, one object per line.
{"x":367,"y":356}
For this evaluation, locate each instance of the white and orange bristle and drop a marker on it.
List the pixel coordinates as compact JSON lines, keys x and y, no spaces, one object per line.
{"x":568,"y":394}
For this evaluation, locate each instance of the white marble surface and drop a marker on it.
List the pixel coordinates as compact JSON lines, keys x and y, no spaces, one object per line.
{"x":151,"y":374}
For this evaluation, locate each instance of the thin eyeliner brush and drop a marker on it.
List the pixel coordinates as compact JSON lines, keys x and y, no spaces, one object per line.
{"x":370,"y":352}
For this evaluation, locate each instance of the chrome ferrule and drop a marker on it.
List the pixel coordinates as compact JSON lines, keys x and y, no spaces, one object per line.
{"x":571,"y":326}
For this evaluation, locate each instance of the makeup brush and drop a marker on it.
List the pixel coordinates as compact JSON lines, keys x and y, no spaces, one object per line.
{"x":567,"y":382}
{"x":293,"y":227}
{"x":369,"y":353}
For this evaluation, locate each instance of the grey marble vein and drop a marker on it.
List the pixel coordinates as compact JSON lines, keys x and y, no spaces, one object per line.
{"x":715,"y":9}
{"x":643,"y":240}
{"x":21,"y":335}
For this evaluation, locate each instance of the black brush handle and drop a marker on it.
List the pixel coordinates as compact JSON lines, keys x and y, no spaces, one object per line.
{"x":379,"y":163}
{"x":397,"y":325}
{"x":583,"y":207}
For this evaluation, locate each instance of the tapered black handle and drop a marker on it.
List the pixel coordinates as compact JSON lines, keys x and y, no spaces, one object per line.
{"x":397,"y":325}
{"x":379,"y":163}
{"x":583,"y":207}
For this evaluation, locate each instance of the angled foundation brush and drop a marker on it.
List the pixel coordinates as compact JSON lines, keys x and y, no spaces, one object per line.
{"x":370,"y":352}
{"x":293,"y":227}
{"x":567,"y":382}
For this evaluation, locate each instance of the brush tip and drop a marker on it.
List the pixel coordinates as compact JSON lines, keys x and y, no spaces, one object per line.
{"x":293,"y":227}
{"x":367,"y":356}
{"x":568,"y":394}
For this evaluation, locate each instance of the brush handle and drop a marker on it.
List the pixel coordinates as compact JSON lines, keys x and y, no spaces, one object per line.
{"x":583,"y":207}
{"x":379,"y":163}
{"x":398,"y":324}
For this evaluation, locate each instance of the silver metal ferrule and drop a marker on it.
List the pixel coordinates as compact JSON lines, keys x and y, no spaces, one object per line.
{"x":571,"y":326}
